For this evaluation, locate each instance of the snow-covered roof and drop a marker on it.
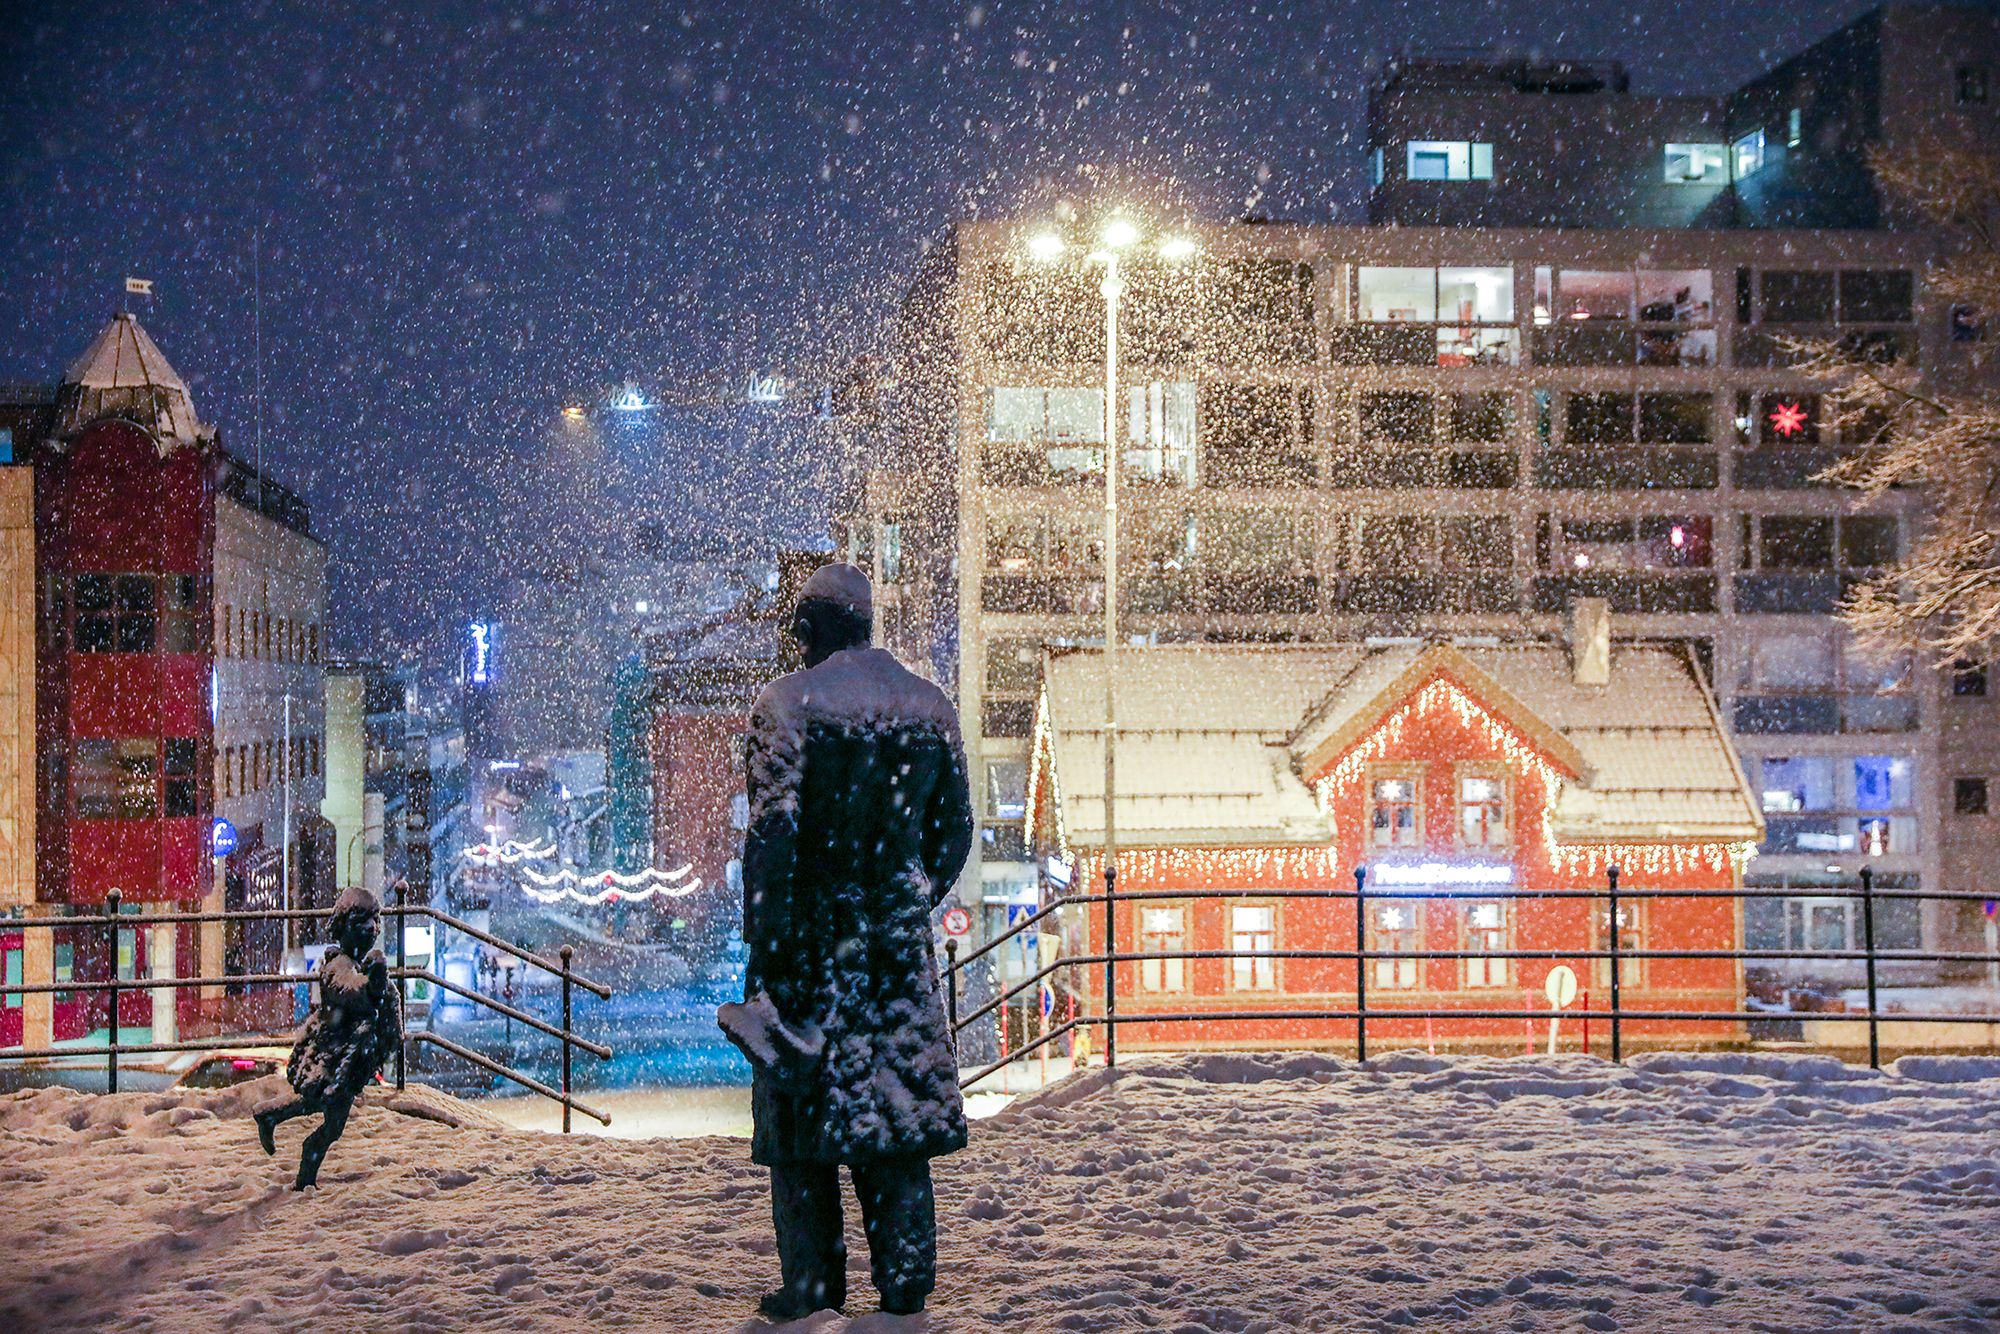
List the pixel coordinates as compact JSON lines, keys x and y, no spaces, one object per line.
{"x":124,"y":373}
{"x":1202,"y":758}
{"x":1216,"y":740}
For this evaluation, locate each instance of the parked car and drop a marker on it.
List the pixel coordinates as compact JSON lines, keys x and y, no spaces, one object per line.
{"x":239,"y":1065}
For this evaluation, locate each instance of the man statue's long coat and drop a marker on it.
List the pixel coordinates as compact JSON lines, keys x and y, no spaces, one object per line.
{"x":860,"y":822}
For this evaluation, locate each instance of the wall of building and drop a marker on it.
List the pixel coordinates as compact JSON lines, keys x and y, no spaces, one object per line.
{"x":269,"y":634}
{"x":1382,"y":432}
{"x":17,"y":688}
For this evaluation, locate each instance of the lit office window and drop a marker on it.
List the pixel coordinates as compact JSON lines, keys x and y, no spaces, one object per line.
{"x":1449,"y":160}
{"x":1697,"y":164}
{"x":1748,"y":154}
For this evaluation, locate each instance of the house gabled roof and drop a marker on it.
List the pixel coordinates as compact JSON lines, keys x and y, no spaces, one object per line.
{"x":123,"y":373}
{"x":1353,"y":710}
{"x":1217,"y":743}
{"x":1201,"y":758}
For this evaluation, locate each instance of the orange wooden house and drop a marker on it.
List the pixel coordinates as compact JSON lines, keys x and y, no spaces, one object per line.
{"x":1467,"y":780}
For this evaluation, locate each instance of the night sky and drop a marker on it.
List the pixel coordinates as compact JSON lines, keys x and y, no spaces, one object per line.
{"x":467,"y":217}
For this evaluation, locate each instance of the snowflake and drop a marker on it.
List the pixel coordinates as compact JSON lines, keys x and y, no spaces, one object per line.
{"x":1789,"y":419}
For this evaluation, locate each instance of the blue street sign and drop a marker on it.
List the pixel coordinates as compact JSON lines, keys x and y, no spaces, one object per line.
{"x":1048,"y":1000}
{"x":222,"y":838}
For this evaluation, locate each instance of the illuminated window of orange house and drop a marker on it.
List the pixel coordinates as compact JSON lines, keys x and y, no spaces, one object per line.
{"x":1482,"y":810}
{"x":1395,"y":818}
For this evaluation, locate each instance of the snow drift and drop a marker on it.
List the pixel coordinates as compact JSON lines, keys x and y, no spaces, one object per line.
{"x":1239,"y":1192}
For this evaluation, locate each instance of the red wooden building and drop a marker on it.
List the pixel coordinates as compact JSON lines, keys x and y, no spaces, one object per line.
{"x":1465,"y":779}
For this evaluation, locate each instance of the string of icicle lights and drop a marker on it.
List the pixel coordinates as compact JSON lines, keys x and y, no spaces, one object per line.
{"x":591,"y":887}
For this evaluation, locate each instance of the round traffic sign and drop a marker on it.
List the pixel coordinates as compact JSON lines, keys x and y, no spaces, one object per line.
{"x":221,"y":838}
{"x":1561,"y":986}
{"x":957,"y":921}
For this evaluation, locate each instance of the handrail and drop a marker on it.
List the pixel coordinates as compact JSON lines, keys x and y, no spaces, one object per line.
{"x":114,"y":921}
{"x":1616,"y":954}
{"x":467,"y":1054}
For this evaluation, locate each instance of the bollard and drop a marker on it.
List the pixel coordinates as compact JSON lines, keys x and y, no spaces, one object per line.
{"x":1110,"y":967}
{"x":111,"y":1048}
{"x":402,"y":985}
{"x":1617,"y":1034}
{"x":1360,"y":967}
{"x":951,"y":988}
{"x":565,"y":951}
{"x":1868,"y":944}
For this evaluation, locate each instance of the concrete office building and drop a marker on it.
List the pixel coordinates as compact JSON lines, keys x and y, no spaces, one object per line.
{"x":1339,"y":434}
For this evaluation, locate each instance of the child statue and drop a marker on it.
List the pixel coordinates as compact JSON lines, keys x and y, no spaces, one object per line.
{"x":356,"y":1026}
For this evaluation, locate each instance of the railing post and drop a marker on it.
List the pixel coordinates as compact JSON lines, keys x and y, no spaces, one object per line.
{"x":1612,"y":933}
{"x":1360,"y":966}
{"x":1110,"y":966}
{"x":111,"y":1048}
{"x":1868,"y":944}
{"x":565,"y":953}
{"x":951,"y":987}
{"x":402,"y":994}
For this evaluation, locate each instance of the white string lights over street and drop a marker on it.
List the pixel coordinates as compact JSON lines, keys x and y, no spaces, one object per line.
{"x":589,"y":887}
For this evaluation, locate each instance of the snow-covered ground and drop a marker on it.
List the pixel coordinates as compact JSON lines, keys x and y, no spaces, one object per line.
{"x":1715,"y":1191}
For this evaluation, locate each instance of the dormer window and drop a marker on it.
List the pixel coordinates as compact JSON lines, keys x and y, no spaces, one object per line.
{"x":1393,"y":817}
{"x":1482,"y":811}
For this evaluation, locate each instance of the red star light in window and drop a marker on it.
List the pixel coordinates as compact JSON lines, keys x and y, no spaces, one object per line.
{"x":1789,"y":419}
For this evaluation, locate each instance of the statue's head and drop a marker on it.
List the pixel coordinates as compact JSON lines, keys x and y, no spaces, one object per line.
{"x":356,"y":921}
{"x":836,"y":611}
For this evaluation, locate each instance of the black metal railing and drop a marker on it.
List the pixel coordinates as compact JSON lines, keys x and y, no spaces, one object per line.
{"x":1361,"y":1012}
{"x":114,"y":920}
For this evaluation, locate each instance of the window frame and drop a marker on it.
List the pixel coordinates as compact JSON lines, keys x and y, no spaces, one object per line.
{"x":1171,"y":974}
{"x":1483,"y":771}
{"x":1486,"y":972}
{"x":1257,"y":962}
{"x":1374,"y":774}
{"x":1388,"y":974}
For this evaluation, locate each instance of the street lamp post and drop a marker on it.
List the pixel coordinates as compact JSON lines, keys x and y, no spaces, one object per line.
{"x":1117,"y":233}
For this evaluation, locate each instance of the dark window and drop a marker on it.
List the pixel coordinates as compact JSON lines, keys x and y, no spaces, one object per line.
{"x":1013,"y":665}
{"x":179,"y":594}
{"x":1256,"y":435}
{"x":115,"y":778}
{"x":183,"y":793}
{"x":1480,"y":542}
{"x":1674,"y":419}
{"x":1485,"y":418}
{"x":96,"y":626}
{"x":1597,"y":419}
{"x":1867,"y":541}
{"x":1968,"y":796}
{"x":136,"y":624}
{"x":1788,"y":419}
{"x":1876,"y":296}
{"x":1968,"y":678}
{"x":1971,"y":85}
{"x":1790,"y":542}
{"x":1798,"y":298}
{"x":1966,"y":326}
{"x":1743,"y":296}
{"x":1007,"y":717}
{"x":1397,"y":418}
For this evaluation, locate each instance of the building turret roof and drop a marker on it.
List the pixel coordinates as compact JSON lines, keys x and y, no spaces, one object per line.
{"x":124,"y":374}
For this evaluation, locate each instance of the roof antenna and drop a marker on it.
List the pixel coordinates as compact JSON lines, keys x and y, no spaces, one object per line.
{"x":257,"y":326}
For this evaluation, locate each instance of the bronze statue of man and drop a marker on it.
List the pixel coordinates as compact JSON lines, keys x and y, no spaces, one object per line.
{"x":860,"y":823}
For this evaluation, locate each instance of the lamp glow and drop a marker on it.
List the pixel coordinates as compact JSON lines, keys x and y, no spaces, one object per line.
{"x":1120,"y":232}
{"x":1046,"y":246}
{"x":1178,"y":248}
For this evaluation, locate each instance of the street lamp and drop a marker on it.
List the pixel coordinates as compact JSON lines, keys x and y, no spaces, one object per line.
{"x":1118,"y":232}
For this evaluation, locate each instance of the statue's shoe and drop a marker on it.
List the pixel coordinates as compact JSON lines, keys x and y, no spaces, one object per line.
{"x":785,"y":1306}
{"x":265,"y":1132}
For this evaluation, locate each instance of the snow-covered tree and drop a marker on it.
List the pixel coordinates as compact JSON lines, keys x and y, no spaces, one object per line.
{"x":1938,"y":430}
